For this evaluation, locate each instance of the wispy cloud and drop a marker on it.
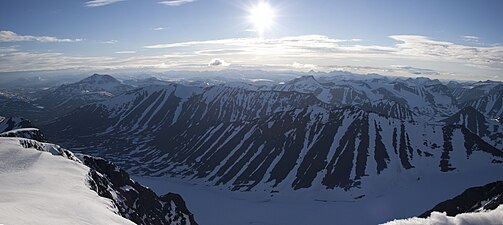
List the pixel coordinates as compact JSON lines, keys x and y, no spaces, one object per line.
{"x":413,"y":50}
{"x":14,"y":60}
{"x":175,"y":2}
{"x":8,"y":49}
{"x":306,"y":66}
{"x":36,"y":61}
{"x":470,"y":38}
{"x":422,"y":47}
{"x":98,"y":3}
{"x":314,"y":41}
{"x":9,"y":36}
{"x":110,"y":42}
{"x":410,"y":46}
{"x":159,"y":28}
{"x":125,"y":52}
{"x":415,"y":70}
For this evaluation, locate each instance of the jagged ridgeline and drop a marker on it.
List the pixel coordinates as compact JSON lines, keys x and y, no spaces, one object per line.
{"x":308,"y":132}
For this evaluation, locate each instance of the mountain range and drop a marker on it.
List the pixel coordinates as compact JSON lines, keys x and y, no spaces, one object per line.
{"x":329,"y":132}
{"x":332,"y":137}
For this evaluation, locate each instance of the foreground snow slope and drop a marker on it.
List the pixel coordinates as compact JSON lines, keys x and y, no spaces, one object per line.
{"x":494,"y":217}
{"x":40,"y":188}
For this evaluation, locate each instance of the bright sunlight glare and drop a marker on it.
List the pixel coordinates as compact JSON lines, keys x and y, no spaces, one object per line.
{"x":262,"y":17}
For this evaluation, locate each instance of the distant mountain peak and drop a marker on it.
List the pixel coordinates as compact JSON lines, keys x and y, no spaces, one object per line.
{"x":100,"y":79}
{"x":307,"y":77}
{"x":304,"y":79}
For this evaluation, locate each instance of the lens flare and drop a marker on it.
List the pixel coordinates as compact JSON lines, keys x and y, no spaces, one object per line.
{"x":262,"y":17}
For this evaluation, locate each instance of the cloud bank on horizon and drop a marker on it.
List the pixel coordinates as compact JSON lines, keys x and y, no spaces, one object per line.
{"x":299,"y":53}
{"x":207,"y":42}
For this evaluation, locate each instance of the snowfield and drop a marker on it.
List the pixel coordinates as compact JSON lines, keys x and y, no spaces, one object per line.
{"x":385,"y":200}
{"x":40,"y":188}
{"x":493,"y":217}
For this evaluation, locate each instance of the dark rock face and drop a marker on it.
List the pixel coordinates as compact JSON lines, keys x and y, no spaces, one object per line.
{"x":487,"y":197}
{"x":445,"y":166}
{"x":134,"y":201}
{"x":20,"y":127}
{"x":381,"y":155}
{"x":12,"y":123}
{"x":471,"y":119}
{"x":32,"y":133}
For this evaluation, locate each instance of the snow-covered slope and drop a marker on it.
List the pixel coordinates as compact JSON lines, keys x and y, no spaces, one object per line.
{"x":43,"y":183}
{"x":146,"y":82}
{"x":493,"y":217}
{"x":478,"y":205}
{"x":40,"y":188}
{"x":423,"y":97}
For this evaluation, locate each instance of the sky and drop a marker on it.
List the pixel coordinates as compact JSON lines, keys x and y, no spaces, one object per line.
{"x":448,"y":39}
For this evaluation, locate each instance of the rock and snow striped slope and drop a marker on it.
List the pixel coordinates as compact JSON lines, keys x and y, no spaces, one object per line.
{"x":245,"y":138}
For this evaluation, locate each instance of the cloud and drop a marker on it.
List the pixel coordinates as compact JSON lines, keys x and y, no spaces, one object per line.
{"x":307,"y":45}
{"x":301,"y":66}
{"x":218,"y":62}
{"x":408,"y":47}
{"x":216,"y":52}
{"x":423,"y":47}
{"x":415,"y":70}
{"x":8,"y":49}
{"x":193,"y":43}
{"x":9,"y":36}
{"x":470,"y":38}
{"x":410,"y":55}
{"x":98,"y":3}
{"x":111,"y":42}
{"x":159,"y":28}
{"x":175,"y":2}
{"x":125,"y":52}
{"x":13,"y":60}
{"x":35,"y":61}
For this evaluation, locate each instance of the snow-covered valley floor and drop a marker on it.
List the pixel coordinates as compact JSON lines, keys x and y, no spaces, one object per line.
{"x":212,"y":206}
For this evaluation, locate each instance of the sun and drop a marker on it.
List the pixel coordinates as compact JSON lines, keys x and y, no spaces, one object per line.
{"x":262,"y":17}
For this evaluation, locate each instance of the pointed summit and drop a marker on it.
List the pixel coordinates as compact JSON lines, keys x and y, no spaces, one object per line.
{"x":304,"y":80}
